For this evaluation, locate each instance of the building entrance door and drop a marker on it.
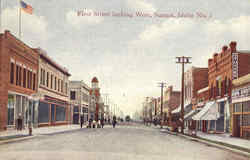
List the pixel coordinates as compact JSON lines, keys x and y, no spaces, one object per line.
{"x":236,"y":128}
{"x":76,"y":115}
{"x":11,"y":111}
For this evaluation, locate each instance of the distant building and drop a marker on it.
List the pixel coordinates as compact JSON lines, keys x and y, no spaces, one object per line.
{"x":171,"y":100}
{"x":95,"y":104}
{"x":79,"y":100}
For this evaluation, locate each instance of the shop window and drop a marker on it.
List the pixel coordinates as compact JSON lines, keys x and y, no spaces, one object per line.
{"x":43,"y":112}
{"x":12,"y":65}
{"x":237,"y":107}
{"x":53,"y":112}
{"x":246,"y":106}
{"x":11,"y":106}
{"x":24,"y":78}
{"x":60,"y":113}
{"x":246,"y":120}
{"x":72,"y":95}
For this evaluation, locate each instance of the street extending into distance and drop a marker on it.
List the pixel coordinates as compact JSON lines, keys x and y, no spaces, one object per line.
{"x":127,"y":142}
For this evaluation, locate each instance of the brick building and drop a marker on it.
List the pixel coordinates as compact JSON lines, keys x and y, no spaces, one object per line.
{"x":195,"y":79}
{"x":18,"y":76}
{"x":171,"y":100}
{"x":54,"y":107}
{"x":240,"y":119}
{"x":225,"y":66}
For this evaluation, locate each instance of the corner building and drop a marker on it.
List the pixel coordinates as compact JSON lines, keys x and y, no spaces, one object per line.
{"x":222,"y":69}
{"x":18,"y":77}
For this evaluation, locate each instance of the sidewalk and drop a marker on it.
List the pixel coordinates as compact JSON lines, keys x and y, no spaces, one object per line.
{"x":226,"y":138}
{"x":14,"y":135}
{"x":224,"y":141}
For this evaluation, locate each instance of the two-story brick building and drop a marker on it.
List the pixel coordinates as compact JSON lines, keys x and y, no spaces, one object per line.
{"x":171,"y":100}
{"x":53,"y":81}
{"x":18,"y":77}
{"x":195,"y":79}
{"x":224,"y":67}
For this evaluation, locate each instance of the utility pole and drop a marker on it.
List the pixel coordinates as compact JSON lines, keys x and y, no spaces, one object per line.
{"x":182,"y":60}
{"x":106,"y":103}
{"x":162,"y":85}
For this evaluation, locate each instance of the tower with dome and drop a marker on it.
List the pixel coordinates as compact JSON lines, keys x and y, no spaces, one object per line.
{"x":95,"y":100}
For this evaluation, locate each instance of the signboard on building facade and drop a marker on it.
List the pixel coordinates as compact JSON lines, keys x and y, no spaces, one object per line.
{"x":234,"y":66}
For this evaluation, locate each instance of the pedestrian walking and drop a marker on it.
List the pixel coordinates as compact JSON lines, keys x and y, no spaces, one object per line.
{"x":81,"y":120}
{"x":90,"y":123}
{"x":99,"y":123}
{"x":114,"y":121}
{"x":102,"y":122}
{"x":19,"y":122}
{"x":94,"y":123}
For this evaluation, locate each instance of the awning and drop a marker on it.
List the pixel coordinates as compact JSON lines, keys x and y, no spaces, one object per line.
{"x":177,"y":110}
{"x":190,"y":114}
{"x":208,"y":112}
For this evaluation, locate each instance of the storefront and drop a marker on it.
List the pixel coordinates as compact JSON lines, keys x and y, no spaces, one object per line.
{"x":22,"y":107}
{"x":52,"y":111}
{"x":207,"y":118}
{"x":241,"y":107}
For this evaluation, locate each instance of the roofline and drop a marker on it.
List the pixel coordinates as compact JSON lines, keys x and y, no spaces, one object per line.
{"x":43,"y":55}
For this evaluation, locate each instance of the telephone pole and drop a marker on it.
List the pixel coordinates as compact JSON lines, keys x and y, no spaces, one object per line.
{"x":182,"y":60}
{"x":106,"y":104}
{"x":162,"y":85}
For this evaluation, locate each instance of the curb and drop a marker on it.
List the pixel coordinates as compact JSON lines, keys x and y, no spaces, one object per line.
{"x":208,"y":142}
{"x":16,"y":139}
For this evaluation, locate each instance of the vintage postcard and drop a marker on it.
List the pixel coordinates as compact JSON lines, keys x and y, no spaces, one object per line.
{"x":124,"y":80}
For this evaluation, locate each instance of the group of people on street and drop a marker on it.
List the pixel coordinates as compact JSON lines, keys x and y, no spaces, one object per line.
{"x":97,"y":124}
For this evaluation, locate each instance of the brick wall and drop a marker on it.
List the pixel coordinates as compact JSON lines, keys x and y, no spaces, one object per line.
{"x":12,"y":48}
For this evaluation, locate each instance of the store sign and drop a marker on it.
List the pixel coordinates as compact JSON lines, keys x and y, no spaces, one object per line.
{"x":234,"y":65}
{"x":241,"y":92}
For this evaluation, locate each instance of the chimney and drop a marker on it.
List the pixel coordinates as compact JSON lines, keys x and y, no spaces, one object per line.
{"x":233,"y":45}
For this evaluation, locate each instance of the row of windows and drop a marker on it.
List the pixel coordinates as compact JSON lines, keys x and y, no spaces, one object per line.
{"x":22,"y":77}
{"x":245,"y":120}
{"x":242,"y":107}
{"x":50,"y":81}
{"x":84,"y":96}
{"x":222,"y":87}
